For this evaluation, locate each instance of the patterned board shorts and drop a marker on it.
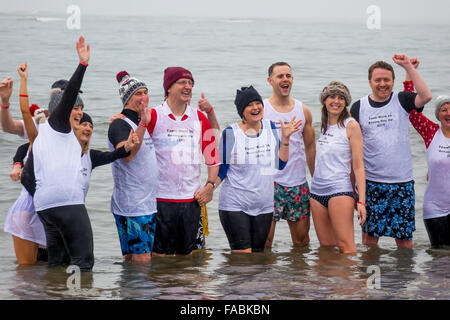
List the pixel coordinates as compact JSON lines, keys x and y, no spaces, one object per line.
{"x":390,"y":210}
{"x":136,"y":234}
{"x":291,"y":203}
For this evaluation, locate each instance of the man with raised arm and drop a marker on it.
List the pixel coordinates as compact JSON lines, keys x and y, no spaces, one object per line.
{"x":384,"y":119}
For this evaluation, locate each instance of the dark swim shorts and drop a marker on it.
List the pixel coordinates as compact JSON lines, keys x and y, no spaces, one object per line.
{"x":244,"y":231}
{"x":177,"y":227}
{"x":390,"y":210}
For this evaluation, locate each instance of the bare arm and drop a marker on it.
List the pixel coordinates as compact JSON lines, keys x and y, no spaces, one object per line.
{"x":423,"y":92}
{"x":8,"y":124}
{"x":356,"y":144}
{"x":205,"y":106}
{"x":286,"y":131}
{"x":309,"y":140}
{"x":30,"y":127}
{"x":205,"y":194}
{"x":133,"y":145}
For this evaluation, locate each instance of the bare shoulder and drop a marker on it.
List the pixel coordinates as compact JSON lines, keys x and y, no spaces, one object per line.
{"x":353,"y":128}
{"x":353,"y":124}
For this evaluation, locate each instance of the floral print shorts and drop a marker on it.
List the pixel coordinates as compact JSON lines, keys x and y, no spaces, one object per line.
{"x":390,"y":210}
{"x":291,"y":203}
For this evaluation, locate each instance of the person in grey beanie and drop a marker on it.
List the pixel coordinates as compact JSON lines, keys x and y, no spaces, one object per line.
{"x":436,"y":202}
{"x":56,"y":95}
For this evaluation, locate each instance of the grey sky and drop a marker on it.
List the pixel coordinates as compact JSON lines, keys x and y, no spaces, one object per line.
{"x":403,"y":11}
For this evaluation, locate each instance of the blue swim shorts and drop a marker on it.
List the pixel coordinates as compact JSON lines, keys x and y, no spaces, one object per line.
{"x":390,"y":210}
{"x":136,"y":234}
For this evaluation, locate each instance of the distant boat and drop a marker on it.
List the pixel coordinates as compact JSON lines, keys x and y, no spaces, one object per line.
{"x":239,"y":21}
{"x":48,"y":19}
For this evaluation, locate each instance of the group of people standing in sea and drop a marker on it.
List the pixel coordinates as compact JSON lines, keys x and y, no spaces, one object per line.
{"x":361,"y":162}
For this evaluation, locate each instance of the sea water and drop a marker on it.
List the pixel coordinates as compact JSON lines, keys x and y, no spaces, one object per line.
{"x":223,"y":55}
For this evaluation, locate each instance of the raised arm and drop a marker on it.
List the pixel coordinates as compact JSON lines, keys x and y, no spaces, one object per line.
{"x":30,"y":127}
{"x":8,"y":124}
{"x":423,"y":92}
{"x":60,"y":117}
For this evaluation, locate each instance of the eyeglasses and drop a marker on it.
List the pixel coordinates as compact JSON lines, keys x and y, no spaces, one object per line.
{"x":185,"y":82}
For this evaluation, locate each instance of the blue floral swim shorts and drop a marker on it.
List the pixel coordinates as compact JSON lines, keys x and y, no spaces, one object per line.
{"x":390,"y":210}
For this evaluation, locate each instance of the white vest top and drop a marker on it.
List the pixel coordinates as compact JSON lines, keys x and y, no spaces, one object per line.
{"x":294,"y":173}
{"x":248,"y":186}
{"x":333,"y":162}
{"x":86,"y":170}
{"x":57,"y":167}
{"x":178,"y":152}
{"x":135,"y":182}
{"x":436,"y":202}
{"x":387,"y":151}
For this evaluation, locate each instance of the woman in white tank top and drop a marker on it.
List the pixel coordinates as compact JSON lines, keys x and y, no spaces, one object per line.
{"x":339,"y":154}
{"x":436,"y":202}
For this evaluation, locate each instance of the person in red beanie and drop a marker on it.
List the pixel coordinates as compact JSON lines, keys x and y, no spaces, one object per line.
{"x":181,"y":135}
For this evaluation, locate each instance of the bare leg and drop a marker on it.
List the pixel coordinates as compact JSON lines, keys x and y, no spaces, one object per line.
{"x":248,"y":250}
{"x":26,"y":251}
{"x":341,"y":210}
{"x":322,"y":224}
{"x":299,"y":232}
{"x":145,"y":257}
{"x":369,"y":240}
{"x":269,"y":241}
{"x":408,"y":244}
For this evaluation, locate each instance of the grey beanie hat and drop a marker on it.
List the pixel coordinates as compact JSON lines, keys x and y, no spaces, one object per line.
{"x":443,"y":99}
{"x":335,"y":87}
{"x":128,"y":86}
{"x":55,"y":98}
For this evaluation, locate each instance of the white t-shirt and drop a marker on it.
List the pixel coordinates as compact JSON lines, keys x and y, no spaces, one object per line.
{"x":178,"y":152}
{"x":248,"y":185}
{"x":57,"y":168}
{"x":294,"y":173}
{"x":333,"y":161}
{"x":387,"y":150}
{"x":436,"y":202}
{"x":135,"y":182}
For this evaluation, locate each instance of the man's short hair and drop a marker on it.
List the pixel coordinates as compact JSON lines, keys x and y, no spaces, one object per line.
{"x":381,"y":65}
{"x":277,"y":64}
